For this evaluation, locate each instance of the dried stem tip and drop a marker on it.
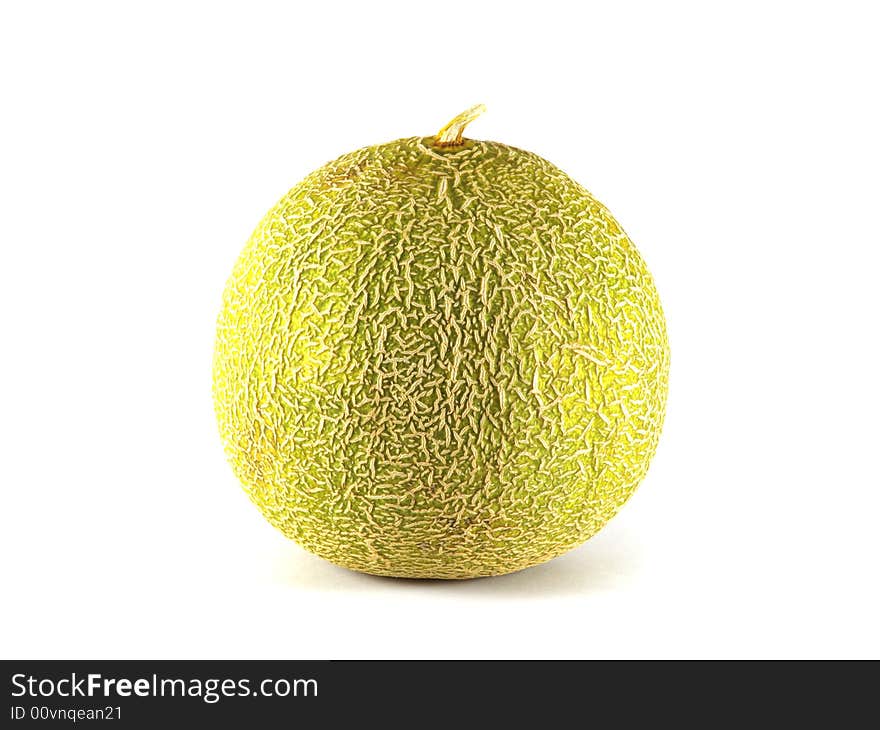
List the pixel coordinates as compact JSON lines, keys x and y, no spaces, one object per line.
{"x":450,"y":135}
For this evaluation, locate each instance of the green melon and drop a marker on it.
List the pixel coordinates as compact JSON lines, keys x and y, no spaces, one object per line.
{"x":440,"y":358}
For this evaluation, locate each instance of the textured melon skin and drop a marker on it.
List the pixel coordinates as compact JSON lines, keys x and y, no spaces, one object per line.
{"x":440,"y":362}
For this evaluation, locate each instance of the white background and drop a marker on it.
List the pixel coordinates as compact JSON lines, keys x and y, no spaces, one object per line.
{"x":139,"y":146}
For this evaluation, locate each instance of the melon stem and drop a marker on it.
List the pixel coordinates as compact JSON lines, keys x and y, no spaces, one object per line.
{"x":450,"y":135}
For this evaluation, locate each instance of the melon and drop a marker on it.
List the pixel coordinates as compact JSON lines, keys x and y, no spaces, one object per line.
{"x":440,"y":358}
